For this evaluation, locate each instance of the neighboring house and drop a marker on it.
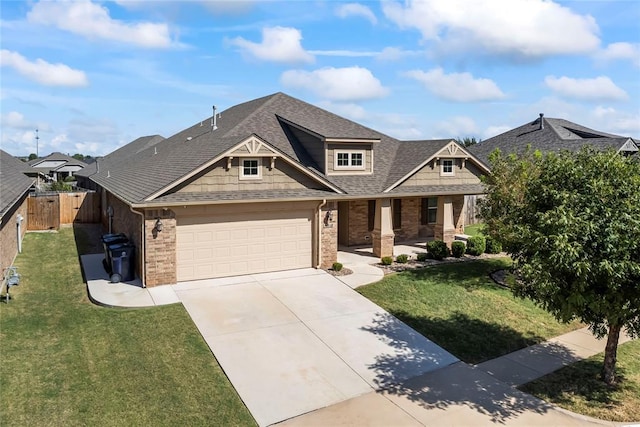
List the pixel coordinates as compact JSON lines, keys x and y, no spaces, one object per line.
{"x":14,"y":191}
{"x":57,"y":166}
{"x":274,"y":184}
{"x":547,"y":135}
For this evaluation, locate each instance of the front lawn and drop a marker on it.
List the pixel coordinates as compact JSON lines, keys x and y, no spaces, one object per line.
{"x":474,"y":230}
{"x":459,"y":307}
{"x":578,"y":388}
{"x":68,"y":362}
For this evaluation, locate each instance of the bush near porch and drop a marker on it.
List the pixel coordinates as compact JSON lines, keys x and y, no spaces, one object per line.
{"x":459,"y":307}
{"x":66,"y":361}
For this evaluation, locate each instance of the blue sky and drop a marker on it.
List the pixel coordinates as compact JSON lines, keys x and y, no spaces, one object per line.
{"x":93,"y":76}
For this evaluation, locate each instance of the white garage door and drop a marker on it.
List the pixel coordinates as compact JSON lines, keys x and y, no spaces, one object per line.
{"x":242,"y":243}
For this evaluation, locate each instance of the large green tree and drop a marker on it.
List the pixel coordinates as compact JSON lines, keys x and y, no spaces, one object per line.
{"x":571,"y":223}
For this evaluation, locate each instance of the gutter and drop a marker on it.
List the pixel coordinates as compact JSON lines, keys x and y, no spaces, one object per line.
{"x":142,"y":251}
{"x":319,"y":260}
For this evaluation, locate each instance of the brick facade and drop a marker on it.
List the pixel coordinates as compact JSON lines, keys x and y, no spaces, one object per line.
{"x":359,"y":233}
{"x":410,"y":229}
{"x":9,"y":232}
{"x":160,"y":248}
{"x":126,"y":222}
{"x":328,"y":234}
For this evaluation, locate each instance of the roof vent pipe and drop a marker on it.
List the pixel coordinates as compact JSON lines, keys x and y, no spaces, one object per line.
{"x":541,"y":121}
{"x":213,"y":120}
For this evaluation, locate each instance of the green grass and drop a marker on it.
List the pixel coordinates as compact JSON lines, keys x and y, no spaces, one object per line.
{"x":65,"y":361}
{"x":578,"y":388}
{"x":474,"y":230}
{"x":460,"y":308}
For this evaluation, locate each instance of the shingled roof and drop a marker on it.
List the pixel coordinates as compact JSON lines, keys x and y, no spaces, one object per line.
{"x":68,"y":161}
{"x":13,"y":181}
{"x":145,"y":168}
{"x":548,"y":134}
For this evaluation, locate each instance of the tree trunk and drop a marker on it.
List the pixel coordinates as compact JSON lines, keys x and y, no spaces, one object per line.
{"x":611,"y":355}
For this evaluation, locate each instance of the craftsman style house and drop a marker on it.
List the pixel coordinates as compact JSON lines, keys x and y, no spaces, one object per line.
{"x":273,"y":184}
{"x":57,"y":166}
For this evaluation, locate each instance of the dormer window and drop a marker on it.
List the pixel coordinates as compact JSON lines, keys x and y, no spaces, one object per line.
{"x":349,"y":159}
{"x":250,"y":169}
{"x":446,"y":167}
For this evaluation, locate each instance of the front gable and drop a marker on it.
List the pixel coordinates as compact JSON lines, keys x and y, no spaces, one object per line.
{"x":250,"y":165}
{"x":451,"y":165}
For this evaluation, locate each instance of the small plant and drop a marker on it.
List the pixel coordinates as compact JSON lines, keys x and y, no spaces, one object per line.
{"x":476,"y":245}
{"x":438,"y":249}
{"x":402,"y":259}
{"x":61,"y":186}
{"x":386,"y":260}
{"x":423,"y":256}
{"x":493,"y":246}
{"x":458,"y":248}
{"x":336,"y":266}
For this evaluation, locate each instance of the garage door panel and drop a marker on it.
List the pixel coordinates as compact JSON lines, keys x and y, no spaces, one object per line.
{"x":242,"y":243}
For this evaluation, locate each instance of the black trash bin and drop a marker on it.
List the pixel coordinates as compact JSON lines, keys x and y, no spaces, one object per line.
{"x":122,"y":257}
{"x":108,"y":240}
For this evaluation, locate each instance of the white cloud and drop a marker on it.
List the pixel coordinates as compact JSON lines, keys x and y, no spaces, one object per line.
{"x":43,"y":72}
{"x":599,"y":88}
{"x":344,"y":53}
{"x":395,"y":54}
{"x":456,"y":127}
{"x":337,"y":84}
{"x":15,"y":120}
{"x":349,"y":110}
{"x":459,"y":87}
{"x":94,"y":22}
{"x":495,"y":130}
{"x":621,"y":52}
{"x":517,"y":28}
{"x":620,"y":123}
{"x":356,"y":9}
{"x":279,"y":44}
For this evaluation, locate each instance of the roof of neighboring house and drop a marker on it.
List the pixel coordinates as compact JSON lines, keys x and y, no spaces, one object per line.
{"x":548,"y":134}
{"x":56,"y":157}
{"x":146,"y":168}
{"x":13,"y":181}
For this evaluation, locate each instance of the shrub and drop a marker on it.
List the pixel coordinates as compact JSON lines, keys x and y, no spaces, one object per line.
{"x":438,"y":249}
{"x":493,"y":246}
{"x":70,"y":178}
{"x":61,"y":186}
{"x":402,"y":259}
{"x":386,"y":260}
{"x":423,"y":256}
{"x":458,"y":248}
{"x":476,"y":245}
{"x":336,"y":266}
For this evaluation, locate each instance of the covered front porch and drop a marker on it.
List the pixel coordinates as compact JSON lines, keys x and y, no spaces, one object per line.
{"x":377,"y":225}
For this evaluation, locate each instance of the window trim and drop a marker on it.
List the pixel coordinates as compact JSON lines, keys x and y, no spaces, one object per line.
{"x":241,"y":166}
{"x":453,"y":167}
{"x":350,"y":159}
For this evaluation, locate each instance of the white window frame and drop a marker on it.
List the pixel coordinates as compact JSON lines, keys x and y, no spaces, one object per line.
{"x":442,"y":167}
{"x":244,"y":177}
{"x":350,"y":160}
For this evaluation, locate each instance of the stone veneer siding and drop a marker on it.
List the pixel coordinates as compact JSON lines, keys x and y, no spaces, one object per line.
{"x":328,"y":235}
{"x":160,"y":248}
{"x":9,"y":234}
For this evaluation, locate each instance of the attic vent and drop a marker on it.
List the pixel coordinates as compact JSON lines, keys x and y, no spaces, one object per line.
{"x":155,"y":150}
{"x":213,"y":120}
{"x":189,"y":138}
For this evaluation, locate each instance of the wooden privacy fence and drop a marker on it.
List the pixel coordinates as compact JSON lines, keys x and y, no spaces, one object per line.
{"x":47,"y":211}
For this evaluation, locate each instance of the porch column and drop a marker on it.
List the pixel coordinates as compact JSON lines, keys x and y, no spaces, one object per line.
{"x":445,"y":228}
{"x":382,"y":234}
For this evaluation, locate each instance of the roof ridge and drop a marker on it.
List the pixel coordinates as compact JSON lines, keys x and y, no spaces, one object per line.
{"x":267,"y":100}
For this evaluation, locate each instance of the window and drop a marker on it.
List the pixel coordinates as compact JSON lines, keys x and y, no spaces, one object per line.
{"x":397,"y":214}
{"x":351,"y":160}
{"x":429,"y":212}
{"x":447,"y":167}
{"x":250,"y":169}
{"x":371,"y":219}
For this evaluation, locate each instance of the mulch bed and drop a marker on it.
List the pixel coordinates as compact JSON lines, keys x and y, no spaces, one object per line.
{"x":343,"y":272}
{"x":413,"y":264}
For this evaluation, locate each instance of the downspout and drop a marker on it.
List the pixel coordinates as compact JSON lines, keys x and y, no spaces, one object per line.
{"x":319,"y":252}
{"x":19,"y":220}
{"x":143,"y":266}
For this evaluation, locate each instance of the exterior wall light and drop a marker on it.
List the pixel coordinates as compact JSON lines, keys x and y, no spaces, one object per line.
{"x":158,"y":226}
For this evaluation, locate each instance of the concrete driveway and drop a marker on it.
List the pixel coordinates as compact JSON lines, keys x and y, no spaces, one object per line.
{"x":295,"y":341}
